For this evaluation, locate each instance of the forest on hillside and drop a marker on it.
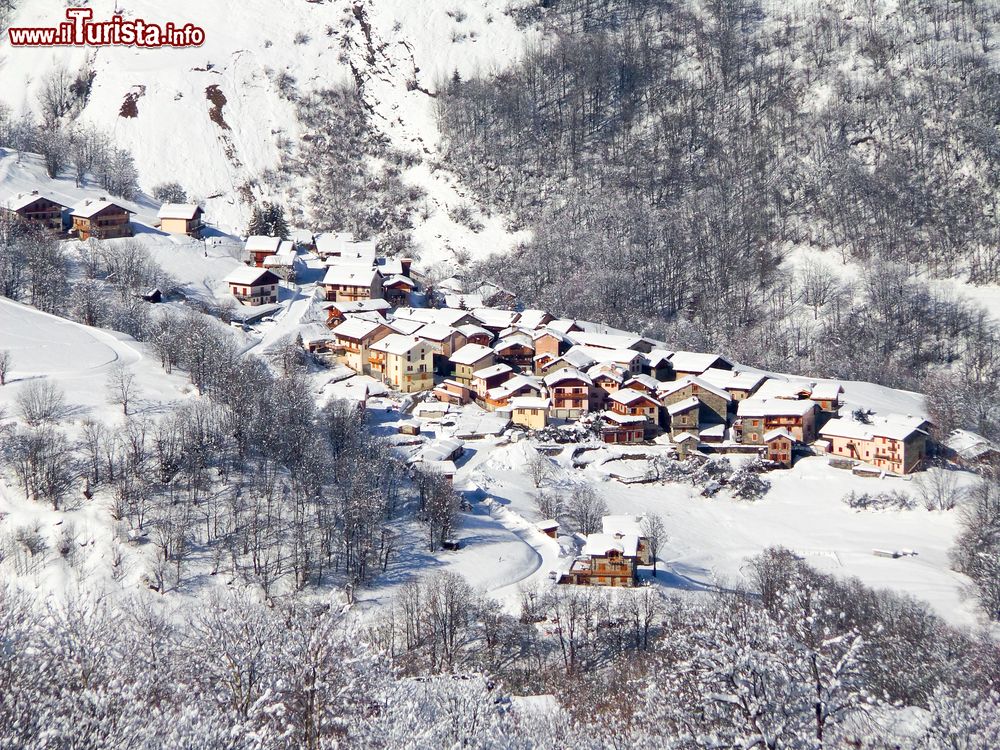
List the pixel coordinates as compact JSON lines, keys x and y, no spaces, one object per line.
{"x":782,"y":183}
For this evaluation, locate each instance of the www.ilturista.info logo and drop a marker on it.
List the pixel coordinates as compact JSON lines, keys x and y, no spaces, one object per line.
{"x":81,"y":31}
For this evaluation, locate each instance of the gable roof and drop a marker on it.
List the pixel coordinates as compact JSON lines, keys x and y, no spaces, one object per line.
{"x":493,"y":317}
{"x":893,"y":429}
{"x":604,"y":340}
{"x":250,"y":276}
{"x":445,"y":315}
{"x":492,"y":371}
{"x":779,"y":432}
{"x":630,"y":396}
{"x":566,"y":373}
{"x":90,"y":208}
{"x":357,"y":328}
{"x":397,"y":343}
{"x":672,"y":387}
{"x":529,"y":402}
{"x":361,"y":305}
{"x":775,"y":407}
{"x":258,"y":243}
{"x":470,"y":354}
{"x":404,"y":326}
{"x":682,"y":406}
{"x":533,"y":318}
{"x":562,"y":325}
{"x":514,"y":339}
{"x":471,"y":329}
{"x":19,"y":201}
{"x":696,"y":362}
{"x":435,"y":332}
{"x":350,"y":276}
{"x":733,"y":379}
{"x":185,"y":211}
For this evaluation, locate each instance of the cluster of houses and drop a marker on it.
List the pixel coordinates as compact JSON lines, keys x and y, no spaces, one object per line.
{"x":537,"y":368}
{"x":100,"y":218}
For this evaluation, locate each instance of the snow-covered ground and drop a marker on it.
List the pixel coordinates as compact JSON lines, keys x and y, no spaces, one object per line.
{"x":397,"y":49}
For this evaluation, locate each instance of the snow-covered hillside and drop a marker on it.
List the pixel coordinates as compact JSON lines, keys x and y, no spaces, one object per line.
{"x":214,"y":117}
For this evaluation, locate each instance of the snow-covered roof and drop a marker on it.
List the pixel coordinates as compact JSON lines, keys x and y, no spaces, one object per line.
{"x":647,"y":380}
{"x":785,"y":389}
{"x":470,"y":354}
{"x":463,"y":301}
{"x":532,"y":319}
{"x":356,"y":328}
{"x":186,"y":211}
{"x":492,"y":371}
{"x":89,"y":208}
{"x":397,"y":343}
{"x":682,"y":406}
{"x":344,"y":245}
{"x":529,"y":402}
{"x":436,"y":332}
{"x":493,"y":317}
{"x":774,"y":407}
{"x":20,"y":200}
{"x":303,"y":237}
{"x":658,"y":356}
{"x":608,"y":370}
{"x":577,"y":357}
{"x":685,"y":437}
{"x":827,"y":391}
{"x":604,"y":340}
{"x":470,"y":329}
{"x":779,"y":432}
{"x":733,"y":379}
{"x":566,"y":373}
{"x":623,"y":419}
{"x":672,"y":387}
{"x":514,"y":339}
{"x":513,"y":385}
{"x":599,"y":545}
{"x":695,"y":362}
{"x":601,"y":354}
{"x":404,"y":326}
{"x":277,"y":261}
{"x":882,"y":428}
{"x":969,"y":445}
{"x":622,"y":524}
{"x":361,"y":305}
{"x":561,"y":325}
{"x":548,"y":523}
{"x":250,"y":276}
{"x":399,"y":279}
{"x":391,"y":267}
{"x":443,"y":315}
{"x":630,"y":396}
{"x":257,"y":243}
{"x":350,"y":276}
{"x":713,"y":431}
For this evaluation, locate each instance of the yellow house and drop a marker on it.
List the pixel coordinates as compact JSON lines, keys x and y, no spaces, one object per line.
{"x":469,"y":359}
{"x":354,"y":337}
{"x":180,"y":218}
{"x":405,"y":362}
{"x":529,"y":411}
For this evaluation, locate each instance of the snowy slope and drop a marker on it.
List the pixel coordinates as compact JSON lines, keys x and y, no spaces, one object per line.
{"x":395,"y":50}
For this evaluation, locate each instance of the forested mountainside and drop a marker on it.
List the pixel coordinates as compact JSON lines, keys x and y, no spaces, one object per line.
{"x":778,"y":181}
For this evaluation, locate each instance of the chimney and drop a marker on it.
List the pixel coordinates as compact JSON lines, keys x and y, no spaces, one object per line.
{"x":406,"y":263}
{"x":34,"y":192}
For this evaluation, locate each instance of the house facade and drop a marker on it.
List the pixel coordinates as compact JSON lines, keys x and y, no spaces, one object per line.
{"x":469,"y":359}
{"x":404,"y":362}
{"x":531,"y":412}
{"x":101,"y":219}
{"x":181,"y":218}
{"x":569,"y":390}
{"x":353,"y":338}
{"x":253,"y":286}
{"x":351,"y":283}
{"x":756,"y":417}
{"x":605,"y":560}
{"x":899,"y":448}
{"x":36,"y":209}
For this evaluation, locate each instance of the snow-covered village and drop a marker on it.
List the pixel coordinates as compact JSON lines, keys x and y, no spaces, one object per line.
{"x":381,"y":374}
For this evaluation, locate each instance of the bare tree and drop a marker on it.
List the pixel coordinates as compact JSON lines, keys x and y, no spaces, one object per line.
{"x":121,"y":386}
{"x":550,"y":504}
{"x":655,"y":531}
{"x":585,"y":510}
{"x":40,"y":401}
{"x":539,"y":468}
{"x":938,"y":488}
{"x":5,"y":363}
